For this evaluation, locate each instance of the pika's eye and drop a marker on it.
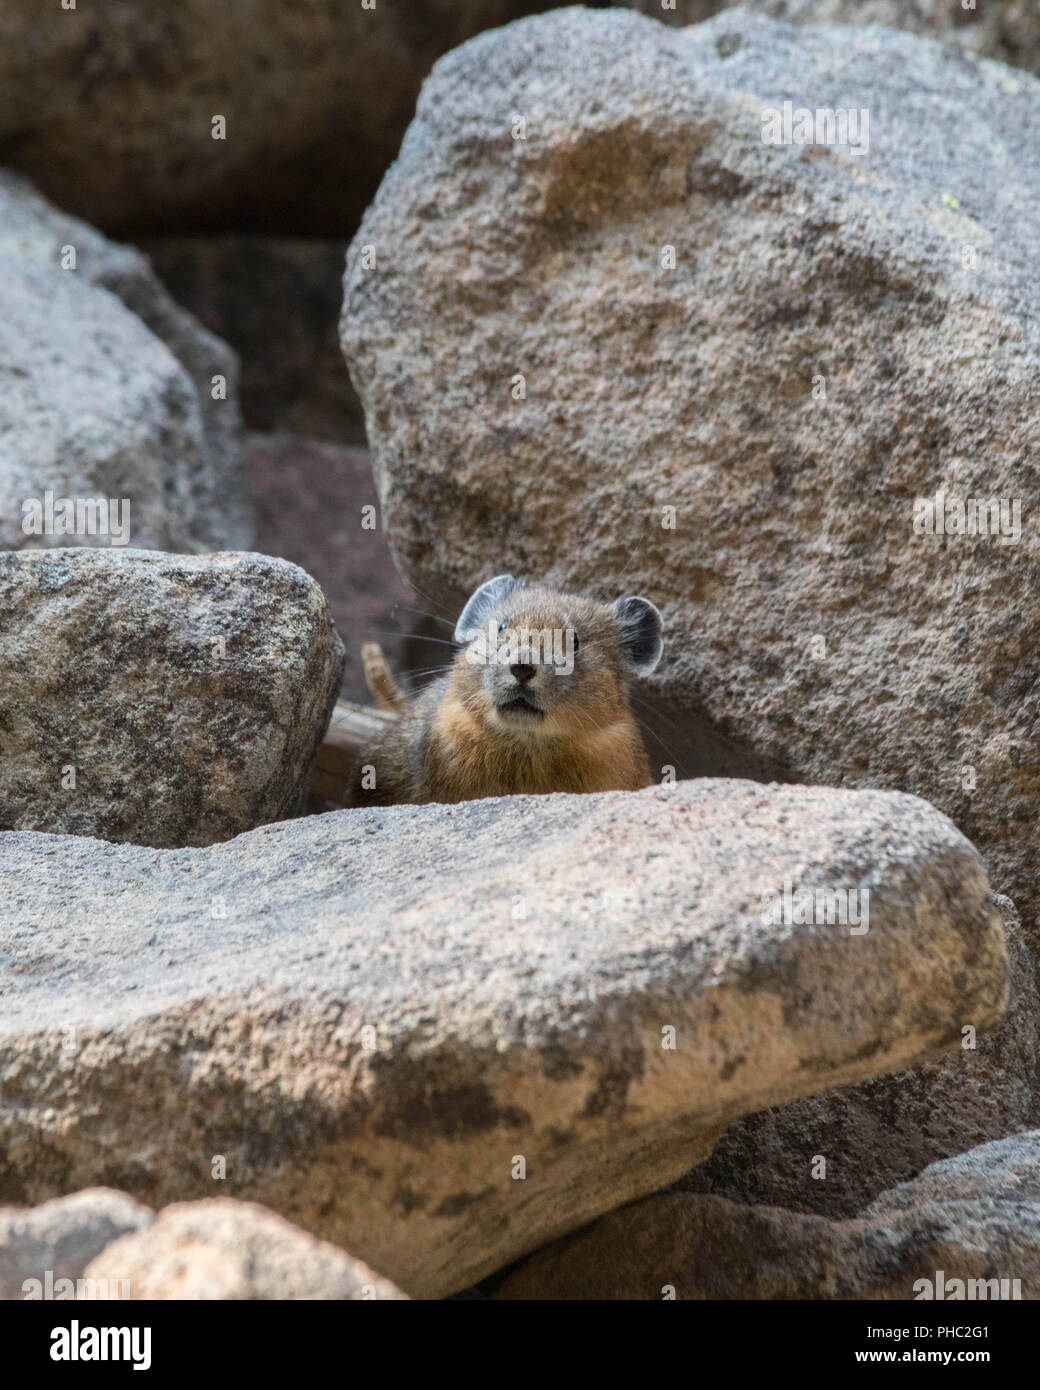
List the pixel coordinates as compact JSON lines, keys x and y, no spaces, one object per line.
{"x":577,"y":644}
{"x":503,"y":625}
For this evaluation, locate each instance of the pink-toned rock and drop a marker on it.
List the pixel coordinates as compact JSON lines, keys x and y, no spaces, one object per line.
{"x":276,"y":301}
{"x":312,"y":498}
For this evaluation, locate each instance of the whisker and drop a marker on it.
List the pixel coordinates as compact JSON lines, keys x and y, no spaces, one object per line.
{"x":416,"y":637}
{"x":434,"y":617}
{"x":437,"y":618}
{"x":428,"y":670}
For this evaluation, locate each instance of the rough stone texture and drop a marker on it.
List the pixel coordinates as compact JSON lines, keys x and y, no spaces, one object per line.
{"x":1004,"y":29}
{"x":975,"y":1217}
{"x":517,"y":963}
{"x":692,"y":387}
{"x":310,"y":497}
{"x":110,"y":107}
{"x":190,"y":693}
{"x":62,"y":1236}
{"x":228,"y":1250}
{"x":106,"y":388}
{"x":886,"y":1130}
{"x":293,"y":376}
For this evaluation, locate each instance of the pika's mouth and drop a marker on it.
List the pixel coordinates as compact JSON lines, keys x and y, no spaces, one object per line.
{"x":518,"y":705}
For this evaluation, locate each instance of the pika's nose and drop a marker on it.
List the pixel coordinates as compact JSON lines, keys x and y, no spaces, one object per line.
{"x":522,"y":673}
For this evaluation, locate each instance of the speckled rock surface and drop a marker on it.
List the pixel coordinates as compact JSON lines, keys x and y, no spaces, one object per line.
{"x":804,"y":618}
{"x":111,"y":107}
{"x":106,"y":389}
{"x":1004,"y":29}
{"x":886,"y":1130}
{"x":60,"y":1238}
{"x":189,"y":694}
{"x":975,"y":1217}
{"x":228,"y":1250}
{"x":381,"y":1019}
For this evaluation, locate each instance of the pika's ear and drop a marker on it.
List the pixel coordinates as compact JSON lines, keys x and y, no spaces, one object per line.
{"x":639,"y":627}
{"x":480,"y":604}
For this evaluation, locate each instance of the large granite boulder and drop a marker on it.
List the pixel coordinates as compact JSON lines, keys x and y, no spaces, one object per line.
{"x":162,"y":699}
{"x":441,"y":1036}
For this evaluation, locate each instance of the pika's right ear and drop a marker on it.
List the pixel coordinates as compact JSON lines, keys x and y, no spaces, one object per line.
{"x":480,"y":604}
{"x":639,"y":628}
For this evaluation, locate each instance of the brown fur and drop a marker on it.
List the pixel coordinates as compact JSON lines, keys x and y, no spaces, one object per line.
{"x":461,"y":739}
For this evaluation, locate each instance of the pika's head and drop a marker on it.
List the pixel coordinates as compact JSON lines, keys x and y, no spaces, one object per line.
{"x":537,"y":662}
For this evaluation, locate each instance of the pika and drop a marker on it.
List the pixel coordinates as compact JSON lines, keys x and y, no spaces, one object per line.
{"x":537,"y":700}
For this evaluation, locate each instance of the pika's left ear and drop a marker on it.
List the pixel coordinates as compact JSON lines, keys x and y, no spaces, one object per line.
{"x":480,"y":603}
{"x":639,"y":628}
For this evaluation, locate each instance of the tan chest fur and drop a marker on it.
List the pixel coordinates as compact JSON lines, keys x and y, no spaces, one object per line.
{"x":466,"y":760}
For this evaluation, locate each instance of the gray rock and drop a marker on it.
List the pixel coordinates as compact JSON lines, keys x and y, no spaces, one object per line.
{"x":440,"y":1036}
{"x":1005,"y":29}
{"x":106,"y":389}
{"x":188,"y":693}
{"x":974,"y":1219}
{"x":111,"y":108}
{"x":228,"y":1250}
{"x":42,"y":1246}
{"x":886,"y":1130}
{"x":806,"y":624}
